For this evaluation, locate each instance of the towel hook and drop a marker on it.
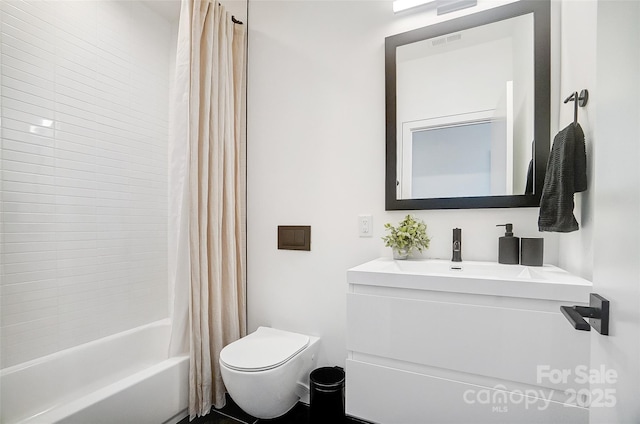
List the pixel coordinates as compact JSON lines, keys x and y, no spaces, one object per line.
{"x":578,"y":100}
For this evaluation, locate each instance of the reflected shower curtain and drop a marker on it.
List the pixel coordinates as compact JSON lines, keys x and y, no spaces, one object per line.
{"x":208,"y":306}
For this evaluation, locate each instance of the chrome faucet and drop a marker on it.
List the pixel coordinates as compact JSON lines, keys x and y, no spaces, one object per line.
{"x":457,"y":245}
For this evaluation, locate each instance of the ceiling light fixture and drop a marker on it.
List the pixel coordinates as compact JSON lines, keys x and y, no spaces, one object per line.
{"x":443,"y":6}
{"x":400,"y":5}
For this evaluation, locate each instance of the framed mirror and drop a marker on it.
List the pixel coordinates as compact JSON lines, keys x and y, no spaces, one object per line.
{"x":467,"y":110}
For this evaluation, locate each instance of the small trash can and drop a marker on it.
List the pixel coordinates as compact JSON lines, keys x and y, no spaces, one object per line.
{"x":327,"y":395}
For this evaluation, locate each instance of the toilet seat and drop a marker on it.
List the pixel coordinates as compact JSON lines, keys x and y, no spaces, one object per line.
{"x":262,"y":350}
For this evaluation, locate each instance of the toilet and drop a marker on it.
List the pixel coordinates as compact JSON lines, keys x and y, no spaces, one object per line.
{"x":267,"y":371}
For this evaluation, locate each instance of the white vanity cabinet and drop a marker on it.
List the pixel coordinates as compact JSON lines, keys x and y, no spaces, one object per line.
{"x":482,"y":344}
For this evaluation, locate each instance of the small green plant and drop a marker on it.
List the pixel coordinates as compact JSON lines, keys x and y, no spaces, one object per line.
{"x":410,"y":234}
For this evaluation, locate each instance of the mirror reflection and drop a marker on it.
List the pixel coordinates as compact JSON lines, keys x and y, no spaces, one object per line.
{"x":465,"y":112}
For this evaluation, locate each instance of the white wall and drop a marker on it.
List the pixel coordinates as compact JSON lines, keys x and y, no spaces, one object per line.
{"x":577,"y":70}
{"x":84,"y":94}
{"x":316,"y":157}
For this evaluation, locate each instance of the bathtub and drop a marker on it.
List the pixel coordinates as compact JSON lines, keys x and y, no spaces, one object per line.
{"x":124,"y":378}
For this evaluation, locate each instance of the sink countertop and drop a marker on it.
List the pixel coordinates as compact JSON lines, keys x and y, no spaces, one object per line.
{"x":473,"y":277}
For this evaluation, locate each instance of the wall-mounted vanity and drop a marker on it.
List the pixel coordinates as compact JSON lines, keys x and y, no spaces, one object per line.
{"x":443,"y":342}
{"x":467,"y":110}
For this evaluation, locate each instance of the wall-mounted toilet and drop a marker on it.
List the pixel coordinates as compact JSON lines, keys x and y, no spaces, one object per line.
{"x":267,"y":371}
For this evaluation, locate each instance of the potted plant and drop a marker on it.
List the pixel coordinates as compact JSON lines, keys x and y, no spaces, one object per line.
{"x":410,"y":234}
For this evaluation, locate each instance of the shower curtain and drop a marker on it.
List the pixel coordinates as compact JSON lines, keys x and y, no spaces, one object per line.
{"x":208,"y":306}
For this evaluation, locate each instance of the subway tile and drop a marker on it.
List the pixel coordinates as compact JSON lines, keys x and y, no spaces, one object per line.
{"x":32,"y":34}
{"x":19,"y":44}
{"x":71,"y":218}
{"x":71,"y":56}
{"x":70,"y":142}
{"x":75,"y":201}
{"x":74,"y":283}
{"x":29,"y":168}
{"x":15,"y":330}
{"x":76,"y":124}
{"x":14,"y":82}
{"x":77,"y":165}
{"x":84,"y":334}
{"x":27,"y":218}
{"x":27,"y":188}
{"x":76,"y":244}
{"x":14,"y":104}
{"x":32,"y":99}
{"x":28,"y":15}
{"x":66,"y":74}
{"x":45,"y":264}
{"x":69,"y":86}
{"x":67,"y":257}
{"x":89,"y":264}
{"x":26,"y":198}
{"x":60,"y":190}
{"x":32,"y":133}
{"x":15,"y":157}
{"x":85,"y":194}
{"x":45,"y":311}
{"x":76,"y":307}
{"x":28,"y":304}
{"x":112,"y":178}
{"x":118,"y":68}
{"x":45,"y":290}
{"x":89,"y":183}
{"x":28,"y":277}
{"x":14,"y":65}
{"x":77,"y":271}
{"x":112,"y":142}
{"x":42,"y":246}
{"x":63,"y":147}
{"x":73,"y":210}
{"x":19,"y":78}
{"x":71,"y":105}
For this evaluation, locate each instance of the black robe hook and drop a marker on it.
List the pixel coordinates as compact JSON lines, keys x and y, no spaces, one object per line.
{"x":578,"y":100}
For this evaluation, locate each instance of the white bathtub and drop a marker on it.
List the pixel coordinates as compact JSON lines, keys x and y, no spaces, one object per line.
{"x":124,"y":378}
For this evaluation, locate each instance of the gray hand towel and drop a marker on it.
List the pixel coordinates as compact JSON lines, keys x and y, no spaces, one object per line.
{"x":566,"y":174}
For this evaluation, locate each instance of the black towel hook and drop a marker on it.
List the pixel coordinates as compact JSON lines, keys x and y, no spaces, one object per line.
{"x":578,"y":100}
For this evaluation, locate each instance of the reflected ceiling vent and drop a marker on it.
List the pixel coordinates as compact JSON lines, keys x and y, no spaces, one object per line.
{"x":447,"y":39}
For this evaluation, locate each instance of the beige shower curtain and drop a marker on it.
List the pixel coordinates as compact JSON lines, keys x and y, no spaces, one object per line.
{"x":208,"y":161}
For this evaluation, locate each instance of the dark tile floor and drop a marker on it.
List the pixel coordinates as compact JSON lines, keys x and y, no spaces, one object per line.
{"x":232,"y":414}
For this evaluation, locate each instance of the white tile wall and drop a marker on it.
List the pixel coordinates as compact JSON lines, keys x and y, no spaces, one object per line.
{"x":84,"y":91}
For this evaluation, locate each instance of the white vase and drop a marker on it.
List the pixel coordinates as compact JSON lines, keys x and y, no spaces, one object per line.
{"x":400,"y":253}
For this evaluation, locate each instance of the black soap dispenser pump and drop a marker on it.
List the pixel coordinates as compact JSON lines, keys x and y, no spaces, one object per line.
{"x":508,"y":246}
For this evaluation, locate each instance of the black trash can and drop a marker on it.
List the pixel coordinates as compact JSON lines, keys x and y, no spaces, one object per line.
{"x":327,"y":395}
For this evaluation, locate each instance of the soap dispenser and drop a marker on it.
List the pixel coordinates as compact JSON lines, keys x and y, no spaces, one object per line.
{"x":508,"y":246}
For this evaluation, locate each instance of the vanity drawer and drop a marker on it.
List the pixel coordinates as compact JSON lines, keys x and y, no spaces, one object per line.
{"x":500,"y":342}
{"x":386,"y":395}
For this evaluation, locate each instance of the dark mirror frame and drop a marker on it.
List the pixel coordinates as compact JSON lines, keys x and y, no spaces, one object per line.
{"x":541,"y":10}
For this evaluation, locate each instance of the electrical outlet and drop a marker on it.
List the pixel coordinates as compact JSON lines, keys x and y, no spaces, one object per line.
{"x":365,"y":226}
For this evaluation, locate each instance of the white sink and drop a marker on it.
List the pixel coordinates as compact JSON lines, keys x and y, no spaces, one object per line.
{"x":545,"y":282}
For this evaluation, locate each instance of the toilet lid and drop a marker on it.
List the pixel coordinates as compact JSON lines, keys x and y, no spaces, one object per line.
{"x":263,"y":349}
